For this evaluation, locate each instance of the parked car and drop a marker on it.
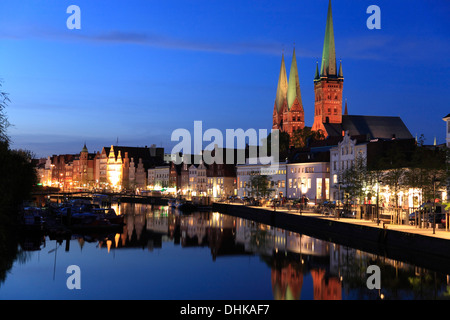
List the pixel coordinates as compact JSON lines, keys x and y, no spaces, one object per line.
{"x":440,"y":218}
{"x":426,"y":213}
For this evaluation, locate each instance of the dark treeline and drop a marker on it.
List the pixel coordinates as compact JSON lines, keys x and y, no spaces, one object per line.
{"x":17,"y":177}
{"x":17,"y":173}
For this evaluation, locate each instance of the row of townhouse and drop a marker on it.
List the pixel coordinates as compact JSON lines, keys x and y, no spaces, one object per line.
{"x":114,"y":168}
{"x":191,"y":176}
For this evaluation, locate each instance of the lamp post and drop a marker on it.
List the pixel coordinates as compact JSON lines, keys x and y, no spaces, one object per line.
{"x":301,"y":197}
{"x":378,"y":207}
{"x":339,"y":198}
{"x":434,"y":204}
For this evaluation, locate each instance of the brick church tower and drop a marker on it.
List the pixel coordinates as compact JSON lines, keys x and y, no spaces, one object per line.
{"x":288,"y":113}
{"x":328,"y":83}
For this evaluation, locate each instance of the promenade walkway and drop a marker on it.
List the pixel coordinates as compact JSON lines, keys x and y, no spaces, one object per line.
{"x":439,"y":232}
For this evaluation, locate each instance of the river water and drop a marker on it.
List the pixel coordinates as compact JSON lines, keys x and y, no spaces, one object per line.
{"x":164,"y":255}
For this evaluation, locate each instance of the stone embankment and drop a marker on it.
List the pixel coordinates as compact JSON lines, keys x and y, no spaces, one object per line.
{"x":404,"y":244}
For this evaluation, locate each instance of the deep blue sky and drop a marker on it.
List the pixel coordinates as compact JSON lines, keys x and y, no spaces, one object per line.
{"x":137,"y":70}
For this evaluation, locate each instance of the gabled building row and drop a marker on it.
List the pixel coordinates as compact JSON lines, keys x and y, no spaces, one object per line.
{"x":115,"y":168}
{"x":195,"y":177}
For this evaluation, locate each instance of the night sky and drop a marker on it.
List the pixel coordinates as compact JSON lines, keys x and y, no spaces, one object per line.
{"x":137,"y":70}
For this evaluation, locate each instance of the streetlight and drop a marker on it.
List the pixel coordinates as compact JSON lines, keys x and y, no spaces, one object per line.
{"x":301,"y":197}
{"x":339,"y":197}
{"x":378,"y":207}
{"x":434,"y":204}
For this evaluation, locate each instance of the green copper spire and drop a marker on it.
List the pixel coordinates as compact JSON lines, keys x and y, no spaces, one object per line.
{"x":282,"y":86}
{"x":317,"y":76}
{"x":294,"y":84}
{"x":329,"y":52}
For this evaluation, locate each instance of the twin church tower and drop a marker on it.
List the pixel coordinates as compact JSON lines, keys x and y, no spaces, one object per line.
{"x":288,"y":112}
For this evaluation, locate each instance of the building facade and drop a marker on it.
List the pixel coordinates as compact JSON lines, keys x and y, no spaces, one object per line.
{"x":276,"y":174}
{"x":310,"y":180}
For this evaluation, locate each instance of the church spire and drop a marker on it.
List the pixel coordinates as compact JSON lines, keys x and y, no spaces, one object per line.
{"x":341,"y":74}
{"x":346,"y":109}
{"x":282,"y":86}
{"x":317,"y":76}
{"x":84,"y":148}
{"x":294,"y":84}
{"x":328,"y":67}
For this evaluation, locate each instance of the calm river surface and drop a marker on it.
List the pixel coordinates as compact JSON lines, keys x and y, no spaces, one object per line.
{"x":163,"y":255}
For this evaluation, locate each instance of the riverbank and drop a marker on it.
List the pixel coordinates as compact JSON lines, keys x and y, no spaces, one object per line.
{"x":399,"y":242}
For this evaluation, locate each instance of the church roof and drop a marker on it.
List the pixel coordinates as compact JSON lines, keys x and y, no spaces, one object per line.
{"x":328,"y":67}
{"x":373,"y":127}
{"x":282,"y":86}
{"x":293,"y":90}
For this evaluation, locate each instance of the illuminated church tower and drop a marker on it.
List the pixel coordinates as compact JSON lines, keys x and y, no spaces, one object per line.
{"x":281,"y":97}
{"x":288,"y":113}
{"x":328,"y":83}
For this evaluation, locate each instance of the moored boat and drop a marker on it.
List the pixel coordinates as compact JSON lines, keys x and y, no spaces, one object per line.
{"x":109,"y":214}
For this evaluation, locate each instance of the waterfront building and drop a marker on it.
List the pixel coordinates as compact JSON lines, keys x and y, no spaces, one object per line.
{"x":221,"y":180}
{"x":221,"y":174}
{"x":151,"y":178}
{"x":69,"y":172}
{"x":184,"y":178}
{"x":276,"y":174}
{"x":114,"y":169}
{"x":83,"y":170}
{"x":44,"y":172}
{"x":61,"y":174}
{"x":127,"y":167}
{"x":162,"y":174}
{"x":370,"y":151}
{"x":201,"y":180}
{"x":192,"y":184}
{"x":310,"y":180}
{"x":342,"y":157}
{"x":175,"y":177}
{"x":140,"y":174}
{"x":447,"y":136}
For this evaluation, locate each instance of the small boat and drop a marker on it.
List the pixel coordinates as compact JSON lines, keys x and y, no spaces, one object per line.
{"x":32,"y":218}
{"x":187,"y":207}
{"x":109,"y":214}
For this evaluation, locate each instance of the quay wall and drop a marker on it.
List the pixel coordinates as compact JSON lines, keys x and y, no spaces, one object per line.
{"x":428,"y":252}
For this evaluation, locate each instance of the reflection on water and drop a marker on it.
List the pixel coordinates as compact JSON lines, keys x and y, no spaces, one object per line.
{"x":299,"y":266}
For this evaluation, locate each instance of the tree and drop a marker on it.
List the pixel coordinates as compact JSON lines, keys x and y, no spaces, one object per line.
{"x":16,"y":168}
{"x":301,"y":137}
{"x":4,"y":123}
{"x":428,"y":170}
{"x":284,"y":140}
{"x":260,"y":185}
{"x":393,"y":164}
{"x":354,"y":179}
